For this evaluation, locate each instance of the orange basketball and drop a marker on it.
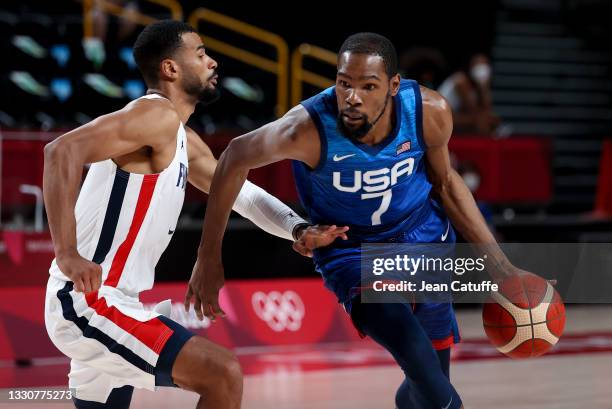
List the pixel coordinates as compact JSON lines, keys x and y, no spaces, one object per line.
{"x":525,"y":318}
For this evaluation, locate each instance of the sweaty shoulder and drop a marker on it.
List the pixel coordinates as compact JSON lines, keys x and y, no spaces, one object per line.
{"x":303,"y":136}
{"x":437,"y":118}
{"x":155,"y":121}
{"x":298,"y":122}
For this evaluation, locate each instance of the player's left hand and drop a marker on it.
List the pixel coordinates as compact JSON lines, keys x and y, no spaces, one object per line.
{"x":515,"y":271}
{"x":316,"y":236}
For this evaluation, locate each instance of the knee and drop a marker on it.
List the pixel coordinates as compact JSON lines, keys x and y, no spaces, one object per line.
{"x":402,"y":396}
{"x":223,"y":375}
{"x":231,"y":373}
{"x":207,"y":369}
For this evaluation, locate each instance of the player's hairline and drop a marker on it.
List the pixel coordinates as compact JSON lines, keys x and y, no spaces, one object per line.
{"x":362,"y":78}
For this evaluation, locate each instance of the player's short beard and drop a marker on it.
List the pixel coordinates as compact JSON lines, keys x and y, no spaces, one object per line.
{"x":361,"y":131}
{"x":209,"y":95}
{"x":205,"y":95}
{"x":355,"y":133}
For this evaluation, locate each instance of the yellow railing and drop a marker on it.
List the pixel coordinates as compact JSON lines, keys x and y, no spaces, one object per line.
{"x":277,"y":67}
{"x":299,"y":75}
{"x":176,"y":11}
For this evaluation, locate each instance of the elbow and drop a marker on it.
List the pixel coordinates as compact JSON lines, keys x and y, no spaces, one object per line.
{"x":452,"y":188}
{"x":443,"y":186}
{"x":58,"y":151}
{"x":50,"y":149}
{"x":53,"y":150}
{"x":233,"y":147}
{"x":229,"y":156}
{"x":232,"y":158}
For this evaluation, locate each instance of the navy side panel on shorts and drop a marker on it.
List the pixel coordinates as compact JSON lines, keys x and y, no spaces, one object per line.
{"x":167,"y":356}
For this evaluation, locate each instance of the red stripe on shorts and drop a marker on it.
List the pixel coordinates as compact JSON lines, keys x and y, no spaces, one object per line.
{"x":153,"y":333}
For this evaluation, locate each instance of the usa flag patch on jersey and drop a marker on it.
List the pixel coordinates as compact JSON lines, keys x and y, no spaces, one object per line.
{"x":404,"y":147}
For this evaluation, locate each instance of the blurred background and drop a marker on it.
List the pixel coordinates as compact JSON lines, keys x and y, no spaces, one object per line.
{"x":530,"y":84}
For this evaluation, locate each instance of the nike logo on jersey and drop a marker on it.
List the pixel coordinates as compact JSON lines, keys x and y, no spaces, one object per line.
{"x":339,"y":158}
{"x":446,"y":232}
{"x":170,"y":231}
{"x":449,"y":403}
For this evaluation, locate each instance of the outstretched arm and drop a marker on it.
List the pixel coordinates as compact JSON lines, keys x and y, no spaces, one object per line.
{"x":294,"y":136}
{"x":290,"y":137}
{"x":253,"y":202}
{"x":454,"y":195}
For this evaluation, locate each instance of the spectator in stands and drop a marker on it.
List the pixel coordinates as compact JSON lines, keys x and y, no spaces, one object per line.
{"x":472,"y":179}
{"x":468,"y":91}
{"x":94,"y":46}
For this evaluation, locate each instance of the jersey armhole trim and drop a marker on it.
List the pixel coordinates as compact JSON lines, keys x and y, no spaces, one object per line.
{"x":418,"y":116}
{"x":314,"y":115}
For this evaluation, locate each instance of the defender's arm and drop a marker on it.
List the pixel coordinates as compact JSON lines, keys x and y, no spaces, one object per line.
{"x":294,"y":136}
{"x":253,"y":202}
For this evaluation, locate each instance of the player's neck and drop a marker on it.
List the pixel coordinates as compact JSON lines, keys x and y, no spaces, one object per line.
{"x":184,"y":104}
{"x":383,"y":127}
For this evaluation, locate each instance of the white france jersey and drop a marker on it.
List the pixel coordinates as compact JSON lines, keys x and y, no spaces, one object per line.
{"x":124,"y":221}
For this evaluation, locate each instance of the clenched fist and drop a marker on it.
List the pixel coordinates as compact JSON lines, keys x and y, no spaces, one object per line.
{"x":86,"y":275}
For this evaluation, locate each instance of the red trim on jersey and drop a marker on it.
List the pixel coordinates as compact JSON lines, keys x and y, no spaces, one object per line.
{"x":153,"y":333}
{"x":142,"y":205}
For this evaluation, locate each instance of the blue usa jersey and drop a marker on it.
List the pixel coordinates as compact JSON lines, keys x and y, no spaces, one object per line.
{"x":379,"y":191}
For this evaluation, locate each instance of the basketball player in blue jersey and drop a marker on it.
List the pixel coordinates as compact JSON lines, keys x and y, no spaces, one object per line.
{"x":370,"y":153}
{"x":108,"y":241}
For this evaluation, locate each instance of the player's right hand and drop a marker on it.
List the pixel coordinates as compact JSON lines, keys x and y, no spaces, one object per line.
{"x":86,"y":275}
{"x":207,"y":279}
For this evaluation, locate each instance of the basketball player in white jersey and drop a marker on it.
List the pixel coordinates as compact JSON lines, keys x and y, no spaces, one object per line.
{"x":108,"y":242}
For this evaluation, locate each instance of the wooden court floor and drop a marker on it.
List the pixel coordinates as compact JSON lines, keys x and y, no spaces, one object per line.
{"x":571,"y":380}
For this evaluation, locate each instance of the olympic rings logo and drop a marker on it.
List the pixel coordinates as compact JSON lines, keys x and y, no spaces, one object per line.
{"x":281,"y":311}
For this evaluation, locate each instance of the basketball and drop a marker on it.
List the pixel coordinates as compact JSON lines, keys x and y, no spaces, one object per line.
{"x":525,"y":318}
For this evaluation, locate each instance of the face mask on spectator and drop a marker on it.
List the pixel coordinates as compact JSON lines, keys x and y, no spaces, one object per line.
{"x":481,"y":73}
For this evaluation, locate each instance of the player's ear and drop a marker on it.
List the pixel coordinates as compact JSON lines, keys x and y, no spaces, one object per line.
{"x":169,"y":69}
{"x":394,"y":84}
